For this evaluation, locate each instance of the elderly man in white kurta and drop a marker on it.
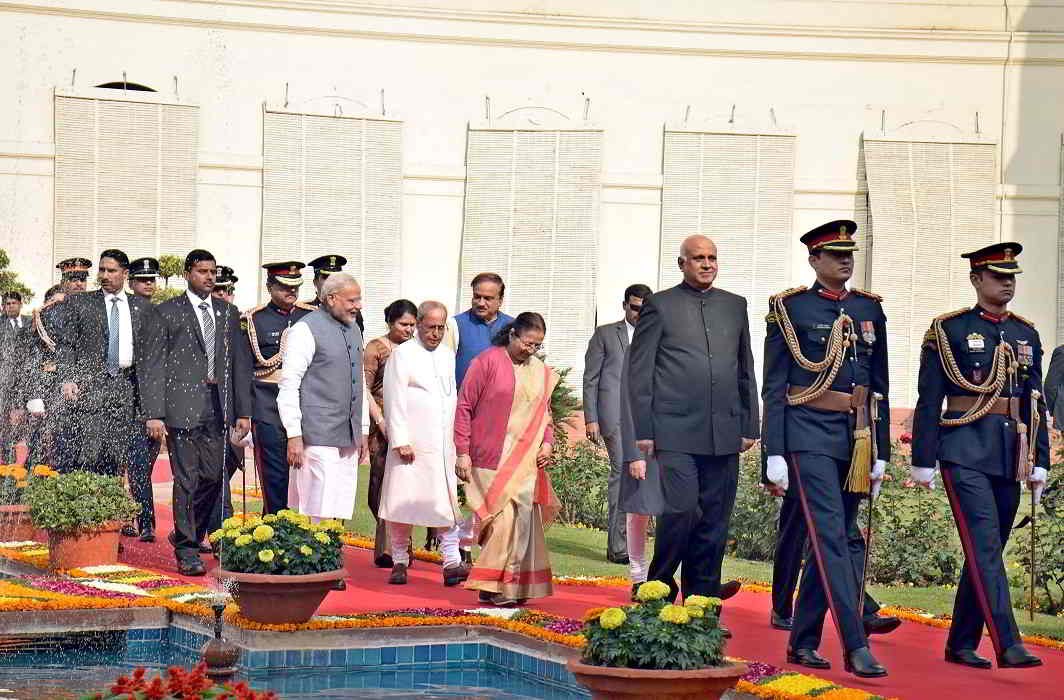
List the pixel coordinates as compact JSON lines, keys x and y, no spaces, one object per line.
{"x":420,"y":485}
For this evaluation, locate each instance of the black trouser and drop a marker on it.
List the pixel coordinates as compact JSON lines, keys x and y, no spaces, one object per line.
{"x":196,"y":458}
{"x":234,"y":460}
{"x":98,"y":429}
{"x":792,"y":545}
{"x":984,"y":508}
{"x":617,"y":520}
{"x":701,"y":489}
{"x":142,"y":456}
{"x":828,"y":579}
{"x":378,"y":454}
{"x":271,"y":462}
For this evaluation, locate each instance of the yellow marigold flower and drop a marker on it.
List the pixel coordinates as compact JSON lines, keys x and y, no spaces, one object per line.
{"x":5,"y":470}
{"x":266,"y":555}
{"x":694,"y":610}
{"x":675,"y":614}
{"x":262,"y":533}
{"x":612,"y":618}
{"x":43,"y":470}
{"x":269,"y":518}
{"x":332,"y":525}
{"x":699,"y":601}
{"x":22,"y":483}
{"x":19,"y":472}
{"x":243,"y":540}
{"x":230,"y":523}
{"x":305,"y":550}
{"x":216,"y":535}
{"x":232,"y":534}
{"x":593,"y":614}
{"x":652,"y":590}
{"x":322,"y":537}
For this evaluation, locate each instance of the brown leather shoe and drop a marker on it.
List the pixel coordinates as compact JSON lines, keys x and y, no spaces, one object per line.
{"x":453,"y":575}
{"x":398,"y":577}
{"x":727,"y":590}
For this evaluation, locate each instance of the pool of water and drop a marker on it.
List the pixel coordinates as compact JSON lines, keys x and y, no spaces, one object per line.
{"x":71,"y":665}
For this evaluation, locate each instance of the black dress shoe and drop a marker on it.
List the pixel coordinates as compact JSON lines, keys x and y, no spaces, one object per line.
{"x":862,"y":664}
{"x":205,"y":549}
{"x":454,"y":575}
{"x":191,"y":568}
{"x":384,"y":561}
{"x":398,"y":577}
{"x":966,"y":657}
{"x":128,"y":531}
{"x":727,"y":590}
{"x":881,"y":625}
{"x":781,"y":623}
{"x":339,"y":585}
{"x":1017,"y":656}
{"x":617,"y":560}
{"x":808,"y":658}
{"x":147,"y":535}
{"x":467,"y":556}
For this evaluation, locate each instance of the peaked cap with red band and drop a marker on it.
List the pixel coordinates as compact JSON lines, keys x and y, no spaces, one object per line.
{"x":1000,"y":257}
{"x":287,"y":273}
{"x":834,"y":235}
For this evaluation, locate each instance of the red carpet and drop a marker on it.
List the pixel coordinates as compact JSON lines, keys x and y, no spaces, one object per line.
{"x":913,"y":654}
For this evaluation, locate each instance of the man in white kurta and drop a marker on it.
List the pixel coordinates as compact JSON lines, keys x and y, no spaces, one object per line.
{"x":420,"y":485}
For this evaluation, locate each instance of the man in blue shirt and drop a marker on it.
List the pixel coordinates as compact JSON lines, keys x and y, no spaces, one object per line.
{"x":472,"y":330}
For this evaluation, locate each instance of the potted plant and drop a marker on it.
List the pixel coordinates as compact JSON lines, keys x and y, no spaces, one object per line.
{"x":82,"y":513}
{"x":656,"y":649}
{"x":282,"y":565}
{"x":15,"y":522}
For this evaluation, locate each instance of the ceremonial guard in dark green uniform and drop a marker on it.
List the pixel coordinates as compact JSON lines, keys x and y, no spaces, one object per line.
{"x":266,"y":328}
{"x":825,"y":388}
{"x":986,"y":364}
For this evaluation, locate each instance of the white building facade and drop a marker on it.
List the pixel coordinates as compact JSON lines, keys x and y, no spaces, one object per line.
{"x":567,"y":145}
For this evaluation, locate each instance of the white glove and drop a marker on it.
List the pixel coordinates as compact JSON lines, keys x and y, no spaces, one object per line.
{"x":777,"y":471}
{"x":923,"y":475}
{"x":879,"y":470}
{"x":1037,"y":482}
{"x":35,"y":406}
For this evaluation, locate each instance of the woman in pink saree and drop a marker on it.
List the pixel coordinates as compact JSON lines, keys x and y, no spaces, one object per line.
{"x":503,"y":436}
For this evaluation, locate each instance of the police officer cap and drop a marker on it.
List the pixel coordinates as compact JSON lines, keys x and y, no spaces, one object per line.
{"x":143,"y":268}
{"x":834,"y":235}
{"x":1000,"y":257}
{"x":225,"y":277}
{"x":75,"y":268}
{"x":286,"y":273}
{"x":328,"y":264}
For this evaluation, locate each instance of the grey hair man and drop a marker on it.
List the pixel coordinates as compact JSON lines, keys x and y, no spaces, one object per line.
{"x":320,"y":402}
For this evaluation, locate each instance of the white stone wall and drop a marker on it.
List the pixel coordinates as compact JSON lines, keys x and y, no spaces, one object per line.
{"x":829,"y":70}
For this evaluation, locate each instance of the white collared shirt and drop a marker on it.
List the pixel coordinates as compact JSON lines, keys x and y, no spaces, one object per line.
{"x":125,"y":327}
{"x":15,"y":321}
{"x":196,"y":301}
{"x":631,"y":330}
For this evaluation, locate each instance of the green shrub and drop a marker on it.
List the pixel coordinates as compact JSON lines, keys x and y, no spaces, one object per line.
{"x":78,"y":501}
{"x":753,"y":524}
{"x":286,"y":543}
{"x":579,"y":474}
{"x":1049,"y":554}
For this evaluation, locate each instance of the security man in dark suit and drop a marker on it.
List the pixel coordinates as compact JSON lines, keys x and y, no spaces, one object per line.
{"x":825,"y":384}
{"x":225,"y":290}
{"x":1054,"y":383}
{"x":13,"y":323}
{"x":195,"y":384}
{"x":693,"y":397}
{"x":142,"y":275}
{"x":265,"y":328}
{"x":986,"y":364}
{"x":225,"y":284}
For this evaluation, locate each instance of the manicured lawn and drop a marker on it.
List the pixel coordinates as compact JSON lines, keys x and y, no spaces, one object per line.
{"x":581,"y":552}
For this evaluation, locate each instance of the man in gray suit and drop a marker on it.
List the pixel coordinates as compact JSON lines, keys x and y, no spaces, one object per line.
{"x":1053,"y":384}
{"x":694,"y":403}
{"x":602,"y":404}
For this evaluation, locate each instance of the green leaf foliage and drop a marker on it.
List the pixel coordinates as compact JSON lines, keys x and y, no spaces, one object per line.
{"x":753,"y":525}
{"x":9,"y":281}
{"x":579,"y":474}
{"x":1048,"y":549}
{"x":170,"y":266}
{"x":78,"y":501}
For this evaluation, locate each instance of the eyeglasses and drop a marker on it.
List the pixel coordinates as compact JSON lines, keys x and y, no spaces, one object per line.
{"x":531,"y":347}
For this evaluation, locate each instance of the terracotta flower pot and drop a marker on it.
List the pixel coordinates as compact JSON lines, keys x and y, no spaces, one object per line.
{"x":84,"y":548}
{"x":277,"y":599}
{"x":607,"y":683}
{"x":16,"y":525}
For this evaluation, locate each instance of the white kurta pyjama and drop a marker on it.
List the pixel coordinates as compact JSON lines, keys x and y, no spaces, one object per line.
{"x":419,"y":404}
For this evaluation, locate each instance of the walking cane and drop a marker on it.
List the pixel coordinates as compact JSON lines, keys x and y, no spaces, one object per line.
{"x":1034,"y":522}
{"x":874,"y":414}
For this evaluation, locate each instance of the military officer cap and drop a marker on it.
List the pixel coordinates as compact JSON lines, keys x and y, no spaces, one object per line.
{"x":834,"y":235}
{"x":144,"y":268}
{"x":286,"y":273}
{"x":225,"y":277}
{"x":1000,"y":257}
{"x":75,"y":268}
{"x":328,"y":264}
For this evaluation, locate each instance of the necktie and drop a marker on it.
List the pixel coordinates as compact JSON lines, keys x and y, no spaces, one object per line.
{"x":208,"y":337}
{"x":112,"y":338}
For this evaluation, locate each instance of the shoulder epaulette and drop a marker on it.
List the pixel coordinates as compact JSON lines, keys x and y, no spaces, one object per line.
{"x":251,"y":312}
{"x":930,"y":337}
{"x":868,"y":294}
{"x":1021,"y":319}
{"x":771,"y":316}
{"x":951,"y":314}
{"x":306,"y":306}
